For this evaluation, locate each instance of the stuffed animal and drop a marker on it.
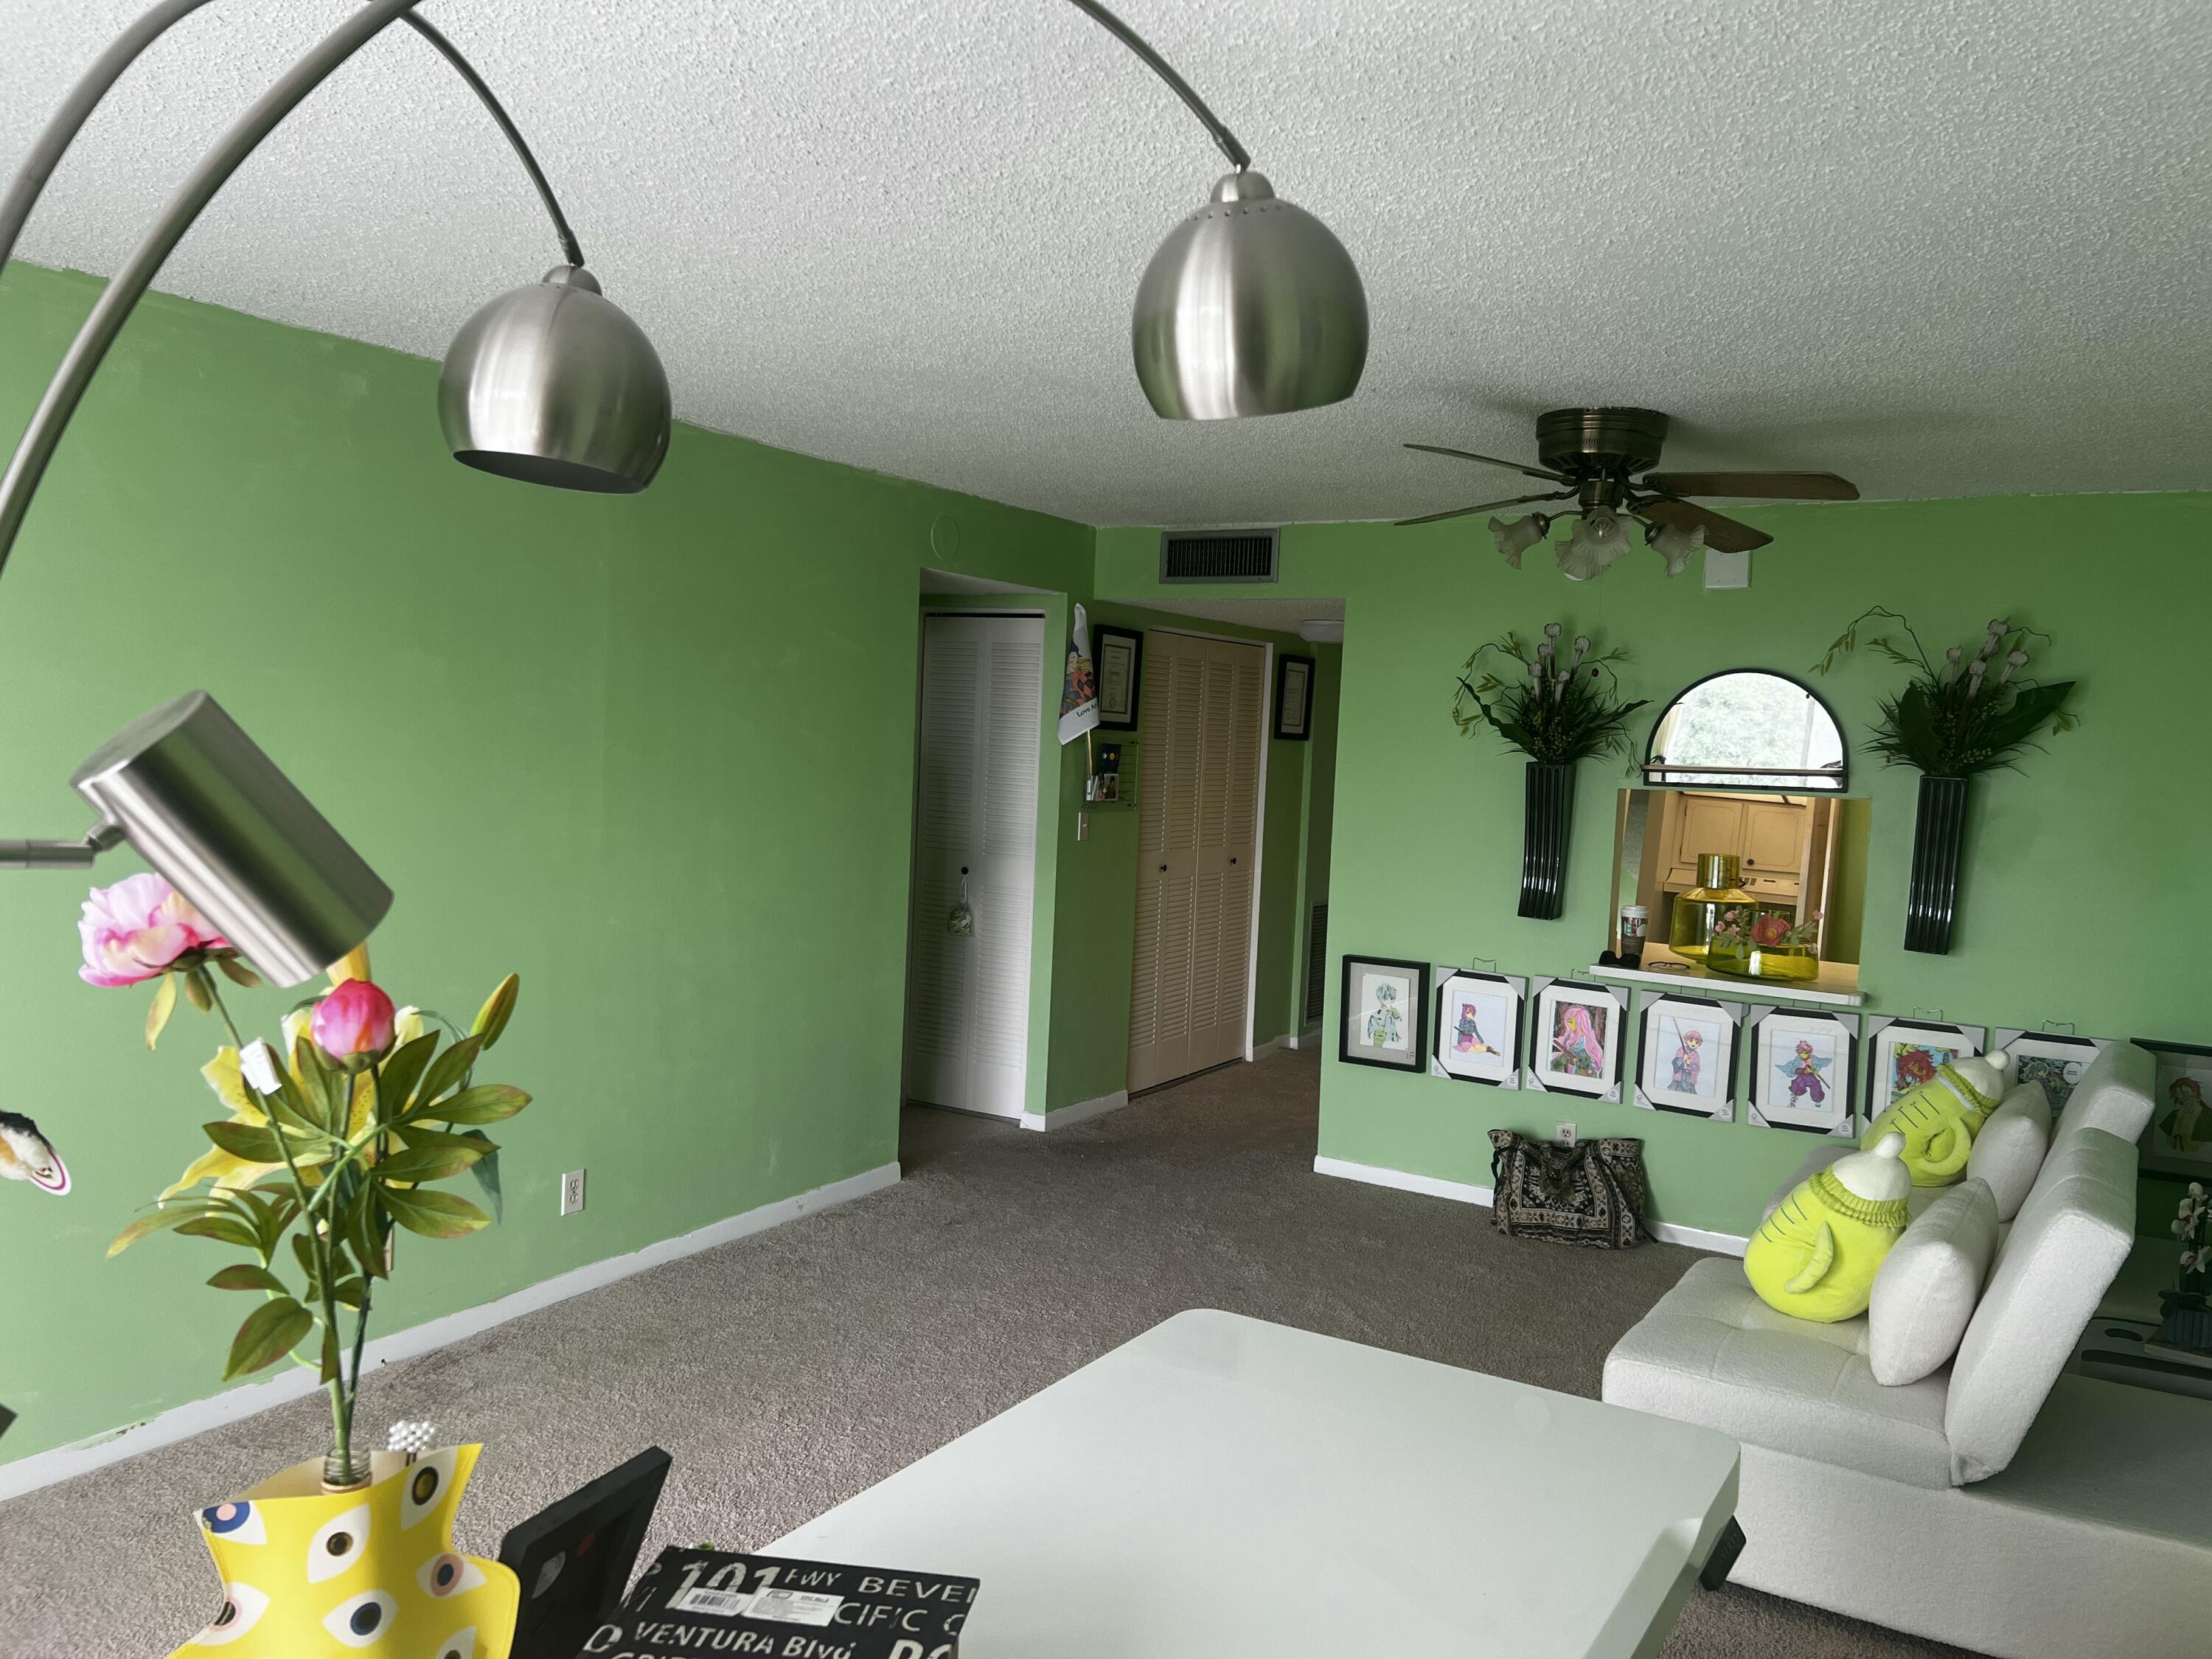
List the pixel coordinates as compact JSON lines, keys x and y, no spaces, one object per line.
{"x":1940,"y":1118}
{"x":1815,"y":1256}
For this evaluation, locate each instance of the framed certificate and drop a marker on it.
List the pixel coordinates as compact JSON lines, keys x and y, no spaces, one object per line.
{"x":1119,"y":656}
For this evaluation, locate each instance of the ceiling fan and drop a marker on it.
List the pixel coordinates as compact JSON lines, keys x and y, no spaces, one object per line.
{"x":1591,"y":454}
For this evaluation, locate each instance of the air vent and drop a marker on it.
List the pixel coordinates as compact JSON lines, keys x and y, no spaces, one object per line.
{"x":1219,"y":556}
{"x":1317,"y":964}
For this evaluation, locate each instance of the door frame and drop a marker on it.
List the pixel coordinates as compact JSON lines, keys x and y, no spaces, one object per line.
{"x":1266,"y":648}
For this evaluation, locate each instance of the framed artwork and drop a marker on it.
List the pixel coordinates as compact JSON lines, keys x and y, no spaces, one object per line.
{"x":2055,"y":1060}
{"x":1478,"y":1028}
{"x":1576,"y":1031}
{"x":2178,"y":1141}
{"x":1294,"y":679}
{"x":1801,"y":1069}
{"x":574,"y":1559}
{"x":1385,"y":1007}
{"x":1901,"y":1054}
{"x":1119,"y":657}
{"x":1686,"y":1056}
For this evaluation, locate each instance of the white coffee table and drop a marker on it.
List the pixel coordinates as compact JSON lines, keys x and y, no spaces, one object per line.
{"x":1222,"y":1487}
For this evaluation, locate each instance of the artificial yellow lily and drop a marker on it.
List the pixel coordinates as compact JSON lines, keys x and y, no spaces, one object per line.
{"x":229,"y":1172}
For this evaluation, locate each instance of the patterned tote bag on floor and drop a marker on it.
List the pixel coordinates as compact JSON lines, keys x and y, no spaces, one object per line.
{"x":1591,"y":1193}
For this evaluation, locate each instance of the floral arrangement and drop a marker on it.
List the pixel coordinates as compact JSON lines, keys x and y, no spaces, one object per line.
{"x":1551,"y":711}
{"x":333,"y":1143}
{"x":1967,"y":716}
{"x":1738,"y":930}
{"x":2192,"y":1226}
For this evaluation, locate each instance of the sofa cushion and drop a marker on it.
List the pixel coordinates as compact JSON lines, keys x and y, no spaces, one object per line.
{"x":1925,"y":1291}
{"x":1712,"y":1353}
{"x":2009,"y":1149}
{"x":2114,"y":1094}
{"x":2071,"y":1237}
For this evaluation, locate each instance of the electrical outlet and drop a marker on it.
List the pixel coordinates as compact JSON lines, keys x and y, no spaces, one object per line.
{"x":1566,"y":1137}
{"x":571,"y":1192}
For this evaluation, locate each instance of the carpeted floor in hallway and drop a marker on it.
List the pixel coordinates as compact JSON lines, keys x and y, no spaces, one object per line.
{"x":791,"y":1369}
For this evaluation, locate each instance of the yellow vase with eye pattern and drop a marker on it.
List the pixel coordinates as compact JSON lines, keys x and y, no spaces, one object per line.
{"x":313,"y":1574}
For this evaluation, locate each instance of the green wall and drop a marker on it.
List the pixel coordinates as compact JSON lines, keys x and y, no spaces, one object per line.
{"x":654,"y":753}
{"x":2084,"y":883}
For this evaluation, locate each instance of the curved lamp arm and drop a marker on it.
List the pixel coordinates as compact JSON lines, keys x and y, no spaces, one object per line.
{"x":1128,"y":36}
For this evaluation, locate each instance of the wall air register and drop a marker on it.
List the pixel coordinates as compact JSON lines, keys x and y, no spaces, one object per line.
{"x":1219,"y":556}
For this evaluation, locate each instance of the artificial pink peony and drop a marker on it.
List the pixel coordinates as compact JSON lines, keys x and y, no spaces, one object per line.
{"x":134,"y":930}
{"x":354,"y":1018}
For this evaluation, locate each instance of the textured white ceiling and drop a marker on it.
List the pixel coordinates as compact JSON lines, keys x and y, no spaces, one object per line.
{"x":1943,"y":246}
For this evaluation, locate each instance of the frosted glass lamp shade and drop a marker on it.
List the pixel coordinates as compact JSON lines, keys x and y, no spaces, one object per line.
{"x":1600,"y":537}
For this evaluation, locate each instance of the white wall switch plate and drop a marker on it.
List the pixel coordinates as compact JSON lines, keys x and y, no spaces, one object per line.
{"x":1727,"y":569}
{"x":571,"y":1192}
{"x":1566,"y":1135}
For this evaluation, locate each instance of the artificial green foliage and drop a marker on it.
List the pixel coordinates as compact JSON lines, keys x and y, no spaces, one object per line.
{"x":1956,"y":720}
{"x":315,"y":1177}
{"x":1553,"y":712}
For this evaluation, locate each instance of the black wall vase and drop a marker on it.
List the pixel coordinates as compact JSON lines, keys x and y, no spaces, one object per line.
{"x":1547,"y":815}
{"x":1939,"y":845}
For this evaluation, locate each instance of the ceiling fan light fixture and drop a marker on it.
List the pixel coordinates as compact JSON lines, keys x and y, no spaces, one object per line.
{"x":1675,"y":545}
{"x":1515,"y":537}
{"x":1600,"y":537}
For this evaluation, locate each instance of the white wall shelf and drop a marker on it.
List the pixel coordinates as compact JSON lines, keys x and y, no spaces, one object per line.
{"x":1836,"y":986}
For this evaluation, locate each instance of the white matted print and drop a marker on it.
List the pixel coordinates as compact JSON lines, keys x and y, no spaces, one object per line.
{"x":2178,"y":1140}
{"x":1575,"y":1036}
{"x":1901,"y":1054}
{"x":1478,"y":1027}
{"x":2056,"y":1062}
{"x":1686,"y":1056}
{"x":1801,"y":1070}
{"x":1385,"y":1007}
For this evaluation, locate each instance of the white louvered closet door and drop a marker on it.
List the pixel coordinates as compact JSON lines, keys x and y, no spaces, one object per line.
{"x":975,"y":802}
{"x":1198,"y":832}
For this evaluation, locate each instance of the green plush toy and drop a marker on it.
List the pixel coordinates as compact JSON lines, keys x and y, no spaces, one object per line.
{"x":1939,"y":1118}
{"x":1815,"y":1257}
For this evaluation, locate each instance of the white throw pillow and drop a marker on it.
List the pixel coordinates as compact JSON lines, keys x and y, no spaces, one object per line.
{"x":1928,"y":1283}
{"x":2009,"y":1149}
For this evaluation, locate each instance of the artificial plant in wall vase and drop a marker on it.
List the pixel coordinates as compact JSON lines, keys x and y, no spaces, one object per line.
{"x":1557,"y":712}
{"x":1948,"y":724}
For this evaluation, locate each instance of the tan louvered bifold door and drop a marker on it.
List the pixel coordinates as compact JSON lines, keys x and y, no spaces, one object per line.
{"x":975,"y":803}
{"x":1198,"y":834}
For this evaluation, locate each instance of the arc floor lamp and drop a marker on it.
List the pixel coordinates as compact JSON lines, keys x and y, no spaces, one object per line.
{"x":1250,"y":307}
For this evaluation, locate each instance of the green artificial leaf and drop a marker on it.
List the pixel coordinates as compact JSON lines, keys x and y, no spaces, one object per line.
{"x":285,"y":1106}
{"x":433,"y":1214}
{"x":487,"y":1102}
{"x":350,"y":1292}
{"x":247,"y":1276}
{"x":329,"y":1091}
{"x":498,"y":1009}
{"x":333,"y":1361}
{"x":271,"y":1331}
{"x":445,"y":1072}
{"x":173,"y":1214}
{"x":421,"y":1163}
{"x":304,"y":1253}
{"x":197,"y":991}
{"x":238,"y":973}
{"x":398,"y":1076}
{"x":224,"y":1228}
{"x":486,"y":1170}
{"x":364,"y":1236}
{"x":257,"y":1144}
{"x":164,"y":1005}
{"x":421,"y":1134}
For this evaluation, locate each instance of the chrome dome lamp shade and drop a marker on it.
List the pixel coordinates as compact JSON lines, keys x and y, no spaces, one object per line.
{"x":1251,"y":306}
{"x":553,"y":384}
{"x":199,"y":801}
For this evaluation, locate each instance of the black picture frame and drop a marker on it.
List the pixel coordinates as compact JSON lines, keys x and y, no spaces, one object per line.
{"x":1507,"y":986}
{"x":1103,"y":637}
{"x":1417,"y":1056}
{"x":574,"y":1557}
{"x":1304,"y":732}
{"x":1650,"y":1009}
{"x":2156,"y":1162}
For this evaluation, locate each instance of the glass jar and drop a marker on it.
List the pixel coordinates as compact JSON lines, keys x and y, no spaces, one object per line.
{"x":1690,"y":931}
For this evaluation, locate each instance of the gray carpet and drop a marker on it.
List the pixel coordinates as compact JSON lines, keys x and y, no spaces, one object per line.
{"x":791,"y":1369}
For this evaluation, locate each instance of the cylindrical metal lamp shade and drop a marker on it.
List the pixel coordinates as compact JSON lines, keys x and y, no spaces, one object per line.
{"x":204,"y":806}
{"x":1250,"y":307}
{"x":553,"y":384}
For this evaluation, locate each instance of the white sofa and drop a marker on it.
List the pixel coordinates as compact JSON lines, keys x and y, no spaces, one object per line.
{"x":1998,"y":1503}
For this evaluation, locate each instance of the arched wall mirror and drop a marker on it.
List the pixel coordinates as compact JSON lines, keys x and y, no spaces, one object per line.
{"x":1747,"y":729}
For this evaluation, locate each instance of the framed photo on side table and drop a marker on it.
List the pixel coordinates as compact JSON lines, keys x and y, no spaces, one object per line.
{"x":1575,"y":1033}
{"x":1294,"y":679}
{"x":1686,"y":1056}
{"x":2055,"y":1060}
{"x":2178,"y":1142}
{"x":1901,"y":1054}
{"x":1478,"y":1028}
{"x":1385,"y":1007}
{"x":1801,"y":1069}
{"x":1119,"y":656}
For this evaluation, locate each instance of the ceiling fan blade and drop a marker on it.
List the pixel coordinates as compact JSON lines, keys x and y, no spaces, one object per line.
{"x":1729,"y":535}
{"x":1490,"y":460}
{"x":1486,"y":507}
{"x":1774,"y":486}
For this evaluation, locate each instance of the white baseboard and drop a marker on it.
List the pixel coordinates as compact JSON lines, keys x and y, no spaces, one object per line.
{"x":1303,"y":1039}
{"x":1066,"y":1117}
{"x":182,"y":1422}
{"x":1464,"y":1193}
